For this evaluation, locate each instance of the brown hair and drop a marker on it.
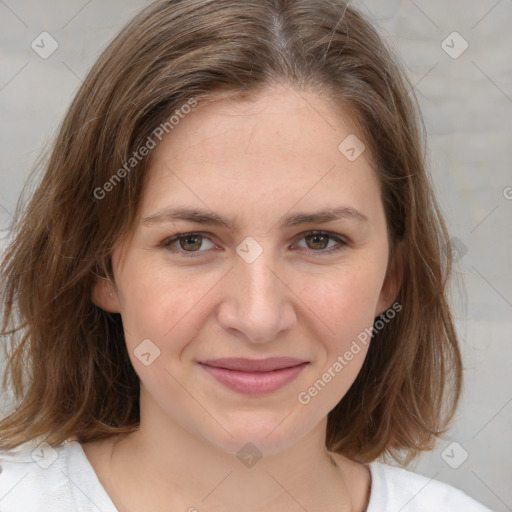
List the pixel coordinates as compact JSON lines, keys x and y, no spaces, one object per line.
{"x":80,"y":379}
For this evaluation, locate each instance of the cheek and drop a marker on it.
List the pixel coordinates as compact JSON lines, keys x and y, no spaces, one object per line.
{"x":345,"y":307}
{"x":158,"y":303}
{"x":344,"y":301}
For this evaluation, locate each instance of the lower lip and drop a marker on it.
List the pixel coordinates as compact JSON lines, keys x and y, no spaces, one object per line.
{"x":254,"y":383}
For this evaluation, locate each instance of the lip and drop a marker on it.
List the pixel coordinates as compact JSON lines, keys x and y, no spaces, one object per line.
{"x":254,"y":376}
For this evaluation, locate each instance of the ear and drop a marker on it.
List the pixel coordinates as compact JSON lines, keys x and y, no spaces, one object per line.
{"x":392,"y":281}
{"x":105,"y":296}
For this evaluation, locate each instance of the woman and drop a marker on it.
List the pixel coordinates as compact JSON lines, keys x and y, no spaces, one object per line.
{"x":230,"y":286}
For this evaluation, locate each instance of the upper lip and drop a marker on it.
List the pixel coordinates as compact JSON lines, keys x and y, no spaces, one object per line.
{"x":254,"y":365}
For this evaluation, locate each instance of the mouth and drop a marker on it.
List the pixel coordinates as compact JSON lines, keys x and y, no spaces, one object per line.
{"x":254,"y":376}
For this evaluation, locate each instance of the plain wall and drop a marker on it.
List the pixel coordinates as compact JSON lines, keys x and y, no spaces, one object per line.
{"x":467,"y":107}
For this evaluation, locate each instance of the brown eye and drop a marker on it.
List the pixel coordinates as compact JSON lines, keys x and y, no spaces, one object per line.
{"x":317,"y":241}
{"x":323,"y":243}
{"x":190,"y":242}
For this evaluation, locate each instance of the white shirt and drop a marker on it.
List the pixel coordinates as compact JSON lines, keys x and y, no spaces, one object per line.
{"x":36,"y":477}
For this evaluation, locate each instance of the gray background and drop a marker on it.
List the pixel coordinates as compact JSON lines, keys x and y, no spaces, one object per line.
{"x":467,"y":106}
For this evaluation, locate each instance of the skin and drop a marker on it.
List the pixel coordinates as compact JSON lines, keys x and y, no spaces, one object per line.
{"x":252,"y":163}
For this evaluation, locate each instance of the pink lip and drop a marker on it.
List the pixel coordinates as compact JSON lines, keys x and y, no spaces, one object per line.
{"x":253,"y":376}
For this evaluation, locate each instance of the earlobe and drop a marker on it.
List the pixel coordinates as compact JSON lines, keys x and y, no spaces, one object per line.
{"x":392,"y":282}
{"x":105,"y":296}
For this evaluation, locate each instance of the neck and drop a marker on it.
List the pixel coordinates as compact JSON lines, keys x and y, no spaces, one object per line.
{"x":162,"y":464}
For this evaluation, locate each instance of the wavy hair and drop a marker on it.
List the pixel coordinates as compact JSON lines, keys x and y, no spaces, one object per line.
{"x":67,"y":361}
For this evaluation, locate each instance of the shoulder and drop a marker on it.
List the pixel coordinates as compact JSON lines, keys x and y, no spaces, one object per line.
{"x":38,"y":477}
{"x":396,"y":488}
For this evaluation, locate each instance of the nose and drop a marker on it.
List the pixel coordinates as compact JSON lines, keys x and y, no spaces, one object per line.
{"x":258,"y":303}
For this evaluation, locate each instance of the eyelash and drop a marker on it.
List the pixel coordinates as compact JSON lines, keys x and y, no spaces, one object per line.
{"x":342,"y":243}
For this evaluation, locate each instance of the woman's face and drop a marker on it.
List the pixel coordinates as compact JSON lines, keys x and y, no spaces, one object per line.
{"x":249,"y":282}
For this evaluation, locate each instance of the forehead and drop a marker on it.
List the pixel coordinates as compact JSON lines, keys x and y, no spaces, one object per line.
{"x":278,"y":149}
{"x":281,"y":122}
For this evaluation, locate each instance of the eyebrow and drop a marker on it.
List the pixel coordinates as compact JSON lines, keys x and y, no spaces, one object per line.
{"x":210,"y":218}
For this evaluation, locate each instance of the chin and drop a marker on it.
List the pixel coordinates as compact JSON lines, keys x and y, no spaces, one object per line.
{"x":264,"y":434}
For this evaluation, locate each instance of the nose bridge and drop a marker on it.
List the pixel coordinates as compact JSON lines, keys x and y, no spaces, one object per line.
{"x":260,"y":284}
{"x":258,"y":305}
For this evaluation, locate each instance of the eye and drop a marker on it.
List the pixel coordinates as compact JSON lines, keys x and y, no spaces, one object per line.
{"x":192,"y":244}
{"x":186,"y":243}
{"x":318,"y":241}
